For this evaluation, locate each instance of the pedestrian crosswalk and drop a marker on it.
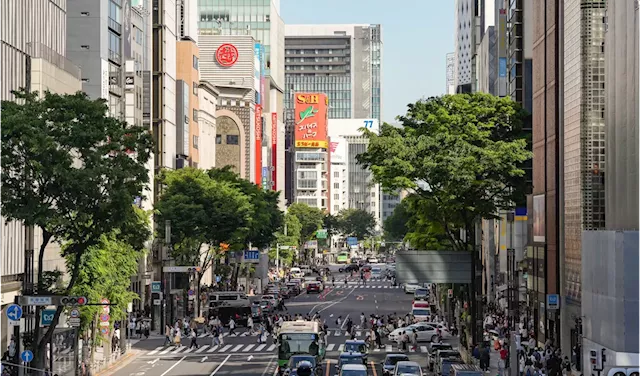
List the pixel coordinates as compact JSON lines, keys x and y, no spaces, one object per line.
{"x":206,"y":349}
{"x":351,"y":285}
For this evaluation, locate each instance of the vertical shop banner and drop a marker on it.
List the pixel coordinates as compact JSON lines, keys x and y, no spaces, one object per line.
{"x":311,"y":120}
{"x":274,"y":149}
{"x":258,"y":146}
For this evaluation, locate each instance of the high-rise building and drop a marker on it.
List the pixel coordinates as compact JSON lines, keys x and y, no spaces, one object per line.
{"x":584,"y":162}
{"x":610,"y":256}
{"x":187,"y":106}
{"x":464,"y":47}
{"x":343,"y":61}
{"x":451,"y":80}
{"x":544,"y":205}
{"x":261,"y":21}
{"x":32,"y":52}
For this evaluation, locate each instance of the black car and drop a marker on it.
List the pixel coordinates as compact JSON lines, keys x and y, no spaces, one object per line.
{"x":390,"y":361}
{"x":432,"y":352}
{"x":296,"y":359}
{"x":349,"y":268}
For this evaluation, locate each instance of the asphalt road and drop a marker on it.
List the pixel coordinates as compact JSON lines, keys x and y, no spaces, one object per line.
{"x":242,"y":355}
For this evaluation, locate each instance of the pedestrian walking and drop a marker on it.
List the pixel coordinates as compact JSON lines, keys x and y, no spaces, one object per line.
{"x":178,"y":338}
{"x":194,"y":339}
{"x":232,"y":326}
{"x":215,"y":337}
{"x":250,"y":325}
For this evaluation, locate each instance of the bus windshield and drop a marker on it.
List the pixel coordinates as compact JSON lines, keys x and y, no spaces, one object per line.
{"x":343,"y":257}
{"x":298,"y":343}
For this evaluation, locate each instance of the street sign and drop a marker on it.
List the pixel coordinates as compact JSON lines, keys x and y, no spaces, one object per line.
{"x":104,"y":331}
{"x":74,"y":322}
{"x":156,"y":301}
{"x":218,"y":279}
{"x":191,"y":292}
{"x":284,"y":247}
{"x":352,"y":241}
{"x":74,"y":313}
{"x":26,"y":356}
{"x":181,"y":269}
{"x":251,"y":256}
{"x":156,"y":286}
{"x":321,"y":234}
{"x":553,"y":301}
{"x":14,"y":314}
{"x":47,"y":317}
{"x":104,"y":317}
{"x":36,"y":300}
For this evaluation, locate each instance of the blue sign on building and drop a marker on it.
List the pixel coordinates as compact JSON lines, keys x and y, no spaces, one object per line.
{"x":251,"y":255}
{"x":352,"y":241}
{"x":553,"y":301}
{"x":502,"y":67}
{"x":47,"y":317}
{"x":156,"y":286}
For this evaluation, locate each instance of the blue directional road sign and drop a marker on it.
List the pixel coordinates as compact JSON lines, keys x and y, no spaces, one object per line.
{"x":553,"y":301}
{"x":26,"y":356}
{"x":156,"y":286}
{"x":251,"y":255}
{"x":14,"y":312}
{"x":352,"y":241}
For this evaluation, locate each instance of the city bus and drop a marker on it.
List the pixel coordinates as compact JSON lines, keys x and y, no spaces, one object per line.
{"x":343,"y":258}
{"x":300,"y":337}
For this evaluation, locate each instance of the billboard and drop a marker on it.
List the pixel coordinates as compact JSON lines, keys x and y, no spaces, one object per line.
{"x":311,"y":120}
{"x":352,"y":127}
{"x":338,"y":149}
{"x":274,"y":149}
{"x":539,"y":235}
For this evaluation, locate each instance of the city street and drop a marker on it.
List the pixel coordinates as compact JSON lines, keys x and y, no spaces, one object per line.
{"x":241,"y":354}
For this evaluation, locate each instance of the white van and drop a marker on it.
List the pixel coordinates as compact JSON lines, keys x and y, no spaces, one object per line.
{"x":305,"y":269}
{"x":421,"y":311}
{"x":296,"y":272}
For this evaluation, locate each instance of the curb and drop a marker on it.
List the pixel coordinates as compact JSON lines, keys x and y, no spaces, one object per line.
{"x":120,"y":364}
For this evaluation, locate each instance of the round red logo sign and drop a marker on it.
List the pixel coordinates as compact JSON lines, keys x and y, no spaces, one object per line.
{"x":227,"y":55}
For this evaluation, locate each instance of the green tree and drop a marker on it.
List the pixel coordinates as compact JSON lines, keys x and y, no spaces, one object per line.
{"x":395,"y":226}
{"x":310,"y":219}
{"x":290,"y":239}
{"x":72,"y":171}
{"x":205,"y":215}
{"x":112,"y":262}
{"x":467,"y":148}
{"x":332,"y":224}
{"x":423,"y":230}
{"x":357,"y":223}
{"x":266,"y":217}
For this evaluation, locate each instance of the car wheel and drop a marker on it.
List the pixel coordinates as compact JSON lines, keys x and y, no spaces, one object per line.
{"x":434,"y":338}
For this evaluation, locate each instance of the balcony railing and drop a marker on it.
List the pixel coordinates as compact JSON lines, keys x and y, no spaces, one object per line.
{"x":115,"y":56}
{"x":40,"y":51}
{"x":115,"y":26}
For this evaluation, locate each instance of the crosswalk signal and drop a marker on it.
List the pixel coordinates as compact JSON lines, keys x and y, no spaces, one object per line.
{"x":194,"y":269}
{"x":450,"y":293}
{"x":595,"y":358}
{"x":73,"y":301}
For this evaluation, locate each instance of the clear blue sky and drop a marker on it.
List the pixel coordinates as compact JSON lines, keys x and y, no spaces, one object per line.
{"x":416,"y":35}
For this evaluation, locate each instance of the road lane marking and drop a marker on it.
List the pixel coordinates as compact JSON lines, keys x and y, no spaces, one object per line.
{"x":156,"y":350}
{"x":358,"y":333}
{"x":331,"y":346}
{"x":219,"y":366}
{"x":166,"y":351}
{"x":388,"y":348}
{"x":259,"y":348}
{"x":341,"y":347}
{"x":202,"y":348}
{"x":190,"y":349}
{"x":204,"y":358}
{"x":266,"y":369}
{"x":373,"y":369}
{"x":235,"y":349}
{"x":338,"y":333}
{"x":153,"y":361}
{"x":336,"y":302}
{"x":249,"y":347}
{"x":377,"y":349}
{"x":272,"y":347}
{"x":214,"y":348}
{"x":423,"y":349}
{"x":178,"y":349}
{"x":224,"y":349}
{"x":173,"y":366}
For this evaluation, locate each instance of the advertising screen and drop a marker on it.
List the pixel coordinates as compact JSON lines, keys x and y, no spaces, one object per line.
{"x":311,"y":120}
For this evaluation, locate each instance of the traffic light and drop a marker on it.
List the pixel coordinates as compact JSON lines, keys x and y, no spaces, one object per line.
{"x":595,"y":358}
{"x":73,"y":300}
{"x":450,"y":293}
{"x":194,"y":269}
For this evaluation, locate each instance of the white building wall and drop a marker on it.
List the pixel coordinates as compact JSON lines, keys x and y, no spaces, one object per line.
{"x":207,"y":124}
{"x":463,"y":40}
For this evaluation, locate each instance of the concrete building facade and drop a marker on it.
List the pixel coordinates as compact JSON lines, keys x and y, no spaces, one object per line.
{"x":187,"y":106}
{"x":208,"y":101}
{"x":609,"y":259}
{"x":464,"y":20}
{"x":451,"y":66}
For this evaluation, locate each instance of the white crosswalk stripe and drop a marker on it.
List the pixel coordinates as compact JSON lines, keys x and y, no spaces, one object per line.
{"x":266,"y":348}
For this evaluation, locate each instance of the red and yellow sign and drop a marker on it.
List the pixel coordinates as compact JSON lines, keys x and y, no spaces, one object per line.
{"x":227,"y":55}
{"x":274,"y":149}
{"x":258,"y":146}
{"x":311,"y":120}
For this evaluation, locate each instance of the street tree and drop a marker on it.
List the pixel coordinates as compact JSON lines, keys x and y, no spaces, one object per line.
{"x":287,"y":241}
{"x":205,"y":214}
{"x":332,"y":224}
{"x":71,"y":171}
{"x":311,"y":220}
{"x":395,"y":226}
{"x":356,"y":223}
{"x":112,"y":262}
{"x":468,"y":149}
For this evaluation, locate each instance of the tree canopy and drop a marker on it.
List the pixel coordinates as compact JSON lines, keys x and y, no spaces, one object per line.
{"x":467,"y":148}
{"x":73,"y":172}
{"x":266,"y":218}
{"x":357,"y":223}
{"x":395,"y":226}
{"x":311,"y":220}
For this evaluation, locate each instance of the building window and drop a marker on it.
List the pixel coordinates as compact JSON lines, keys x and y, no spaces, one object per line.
{"x":218,"y":139}
{"x":195,"y":88}
{"x":336,"y":196}
{"x":195,"y":142}
{"x":195,"y":115}
{"x":232,"y":139}
{"x":336,"y":185}
{"x":336,"y":208}
{"x":195,"y":62}
{"x":336,"y":174}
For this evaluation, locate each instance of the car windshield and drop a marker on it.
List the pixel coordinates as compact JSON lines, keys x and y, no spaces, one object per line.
{"x":296,"y":359}
{"x":408,"y":369}
{"x":421,"y":312}
{"x":391,"y":361}
{"x":351,"y":360}
{"x":422,"y":292}
{"x":353,"y":372}
{"x":355,"y":347}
